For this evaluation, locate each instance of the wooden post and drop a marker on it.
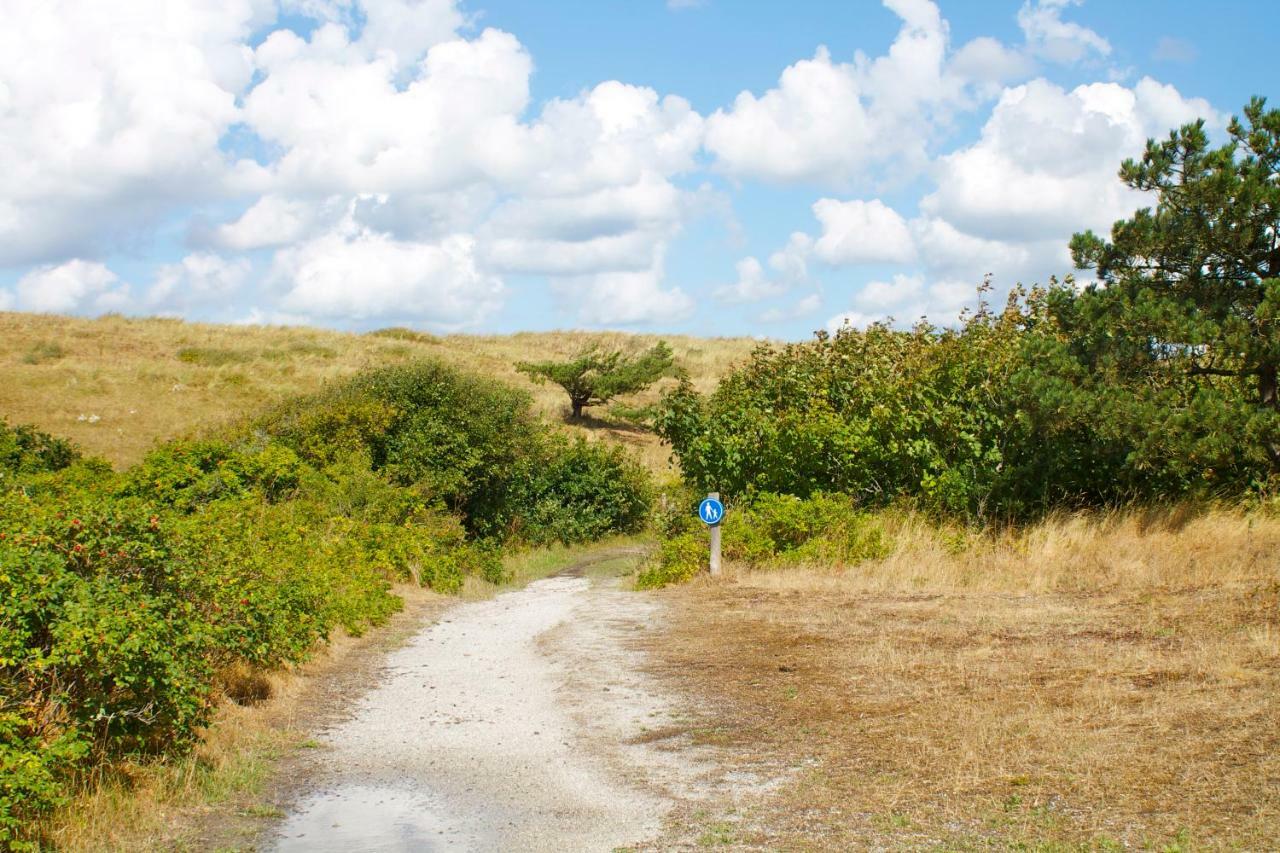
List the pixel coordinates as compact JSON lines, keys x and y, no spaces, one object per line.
{"x":715,"y":542}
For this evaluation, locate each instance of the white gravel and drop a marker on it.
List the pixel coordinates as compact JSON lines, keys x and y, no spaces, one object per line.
{"x":507,"y":725}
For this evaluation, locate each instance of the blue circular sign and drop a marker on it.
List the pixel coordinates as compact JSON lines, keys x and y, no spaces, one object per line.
{"x":711,"y":511}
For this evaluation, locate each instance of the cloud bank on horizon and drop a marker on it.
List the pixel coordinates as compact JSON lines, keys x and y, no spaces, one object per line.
{"x":357,"y":163}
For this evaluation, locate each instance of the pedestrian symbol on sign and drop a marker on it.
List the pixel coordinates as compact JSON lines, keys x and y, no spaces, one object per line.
{"x":711,"y":511}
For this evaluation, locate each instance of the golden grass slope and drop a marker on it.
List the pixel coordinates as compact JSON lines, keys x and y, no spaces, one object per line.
{"x":117,"y":385}
{"x":1092,"y":682}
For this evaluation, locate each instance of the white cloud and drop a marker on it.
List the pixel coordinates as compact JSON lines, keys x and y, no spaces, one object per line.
{"x":76,"y":286}
{"x":354,"y":274}
{"x":270,"y":221}
{"x":582,"y":189}
{"x":753,"y":284}
{"x":111,"y":115}
{"x":623,"y":298}
{"x":1052,"y":38}
{"x":905,"y":299}
{"x":617,"y":228}
{"x":987,"y":61}
{"x":884,"y":295}
{"x":202,"y":278}
{"x":789,"y":267}
{"x":861,"y":232}
{"x":1045,"y":165}
{"x":345,"y":125}
{"x":830,"y":123}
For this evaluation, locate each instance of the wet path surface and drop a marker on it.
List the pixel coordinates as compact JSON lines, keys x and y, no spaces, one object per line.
{"x":510,"y":724}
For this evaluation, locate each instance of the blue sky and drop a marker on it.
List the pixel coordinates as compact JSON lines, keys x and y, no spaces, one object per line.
{"x":492,"y":165}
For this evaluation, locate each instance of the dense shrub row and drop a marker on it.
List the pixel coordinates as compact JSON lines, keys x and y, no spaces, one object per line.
{"x":764,"y":529}
{"x":1007,"y":417}
{"x":124,"y":597}
{"x":472,"y":445}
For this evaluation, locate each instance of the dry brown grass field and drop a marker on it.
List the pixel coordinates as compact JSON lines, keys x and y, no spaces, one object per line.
{"x":1092,"y":683}
{"x":117,"y":385}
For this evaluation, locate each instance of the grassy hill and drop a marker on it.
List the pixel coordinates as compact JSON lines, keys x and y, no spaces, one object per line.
{"x":117,"y":385}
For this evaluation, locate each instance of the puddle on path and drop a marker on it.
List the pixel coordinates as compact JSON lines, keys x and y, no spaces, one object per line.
{"x":376,"y":819}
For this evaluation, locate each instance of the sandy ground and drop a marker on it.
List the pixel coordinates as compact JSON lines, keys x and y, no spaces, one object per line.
{"x":519,"y":723}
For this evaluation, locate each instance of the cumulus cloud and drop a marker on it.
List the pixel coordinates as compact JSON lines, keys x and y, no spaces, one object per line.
{"x":582,"y":189}
{"x":861,"y":232}
{"x":753,"y":284}
{"x":829,"y":122}
{"x":623,"y":298}
{"x":1046,"y":161}
{"x":354,"y":274}
{"x":990,"y":62}
{"x":617,"y":228}
{"x":1043,"y":168}
{"x":270,"y":221}
{"x":788,"y":267}
{"x":74,"y":287}
{"x":111,"y":114}
{"x":905,"y":299}
{"x":198,"y":279}
{"x":1052,"y":38}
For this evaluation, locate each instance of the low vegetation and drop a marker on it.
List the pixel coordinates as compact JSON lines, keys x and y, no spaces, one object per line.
{"x":130,"y":601}
{"x":1090,"y":681}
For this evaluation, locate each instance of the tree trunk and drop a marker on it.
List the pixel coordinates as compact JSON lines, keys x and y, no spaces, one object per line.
{"x":577,"y":408}
{"x":1269,"y":396}
{"x":1268,"y":389}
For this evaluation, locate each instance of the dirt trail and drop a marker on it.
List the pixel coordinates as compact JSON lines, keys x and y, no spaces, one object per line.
{"x":517,"y":723}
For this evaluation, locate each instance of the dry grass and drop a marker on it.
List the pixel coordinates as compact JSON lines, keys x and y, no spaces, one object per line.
{"x":1087,"y":684}
{"x":117,"y":385}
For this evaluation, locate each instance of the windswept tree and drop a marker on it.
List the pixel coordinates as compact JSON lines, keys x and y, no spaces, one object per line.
{"x":1188,"y":292}
{"x":595,"y":375}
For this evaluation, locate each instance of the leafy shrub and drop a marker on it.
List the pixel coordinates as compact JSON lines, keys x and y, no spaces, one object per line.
{"x":577,"y":491}
{"x":26,"y":450}
{"x":678,"y":560}
{"x":185,"y":475}
{"x":472,"y":446}
{"x":998,"y":420}
{"x":764,"y":530}
{"x":783,"y":529}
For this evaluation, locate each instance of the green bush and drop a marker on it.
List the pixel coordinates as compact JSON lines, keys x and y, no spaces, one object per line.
{"x":763,"y":530}
{"x":125,"y":596}
{"x":471,"y":446}
{"x":678,"y":559}
{"x":185,"y":475}
{"x":575,"y":491}
{"x":1003,"y":419}
{"x":26,"y":450}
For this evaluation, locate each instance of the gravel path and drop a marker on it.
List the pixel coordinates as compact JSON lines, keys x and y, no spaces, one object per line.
{"x":512,"y":724}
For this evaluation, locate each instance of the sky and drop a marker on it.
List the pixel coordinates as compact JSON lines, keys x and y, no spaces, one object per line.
{"x":700,"y":166}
